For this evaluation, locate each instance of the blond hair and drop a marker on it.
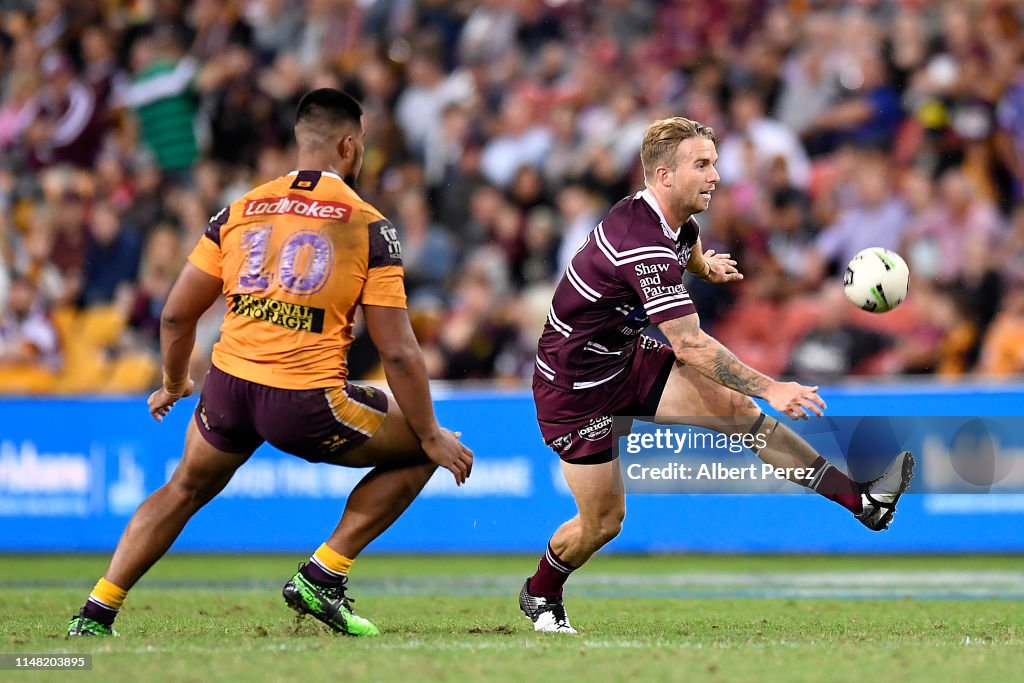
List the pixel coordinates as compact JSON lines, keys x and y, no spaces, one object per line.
{"x":662,"y":138}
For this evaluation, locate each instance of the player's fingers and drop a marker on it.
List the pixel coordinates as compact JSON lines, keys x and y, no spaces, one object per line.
{"x":724,"y":256}
{"x":816,"y":399}
{"x":813,"y":407}
{"x":709,"y":253}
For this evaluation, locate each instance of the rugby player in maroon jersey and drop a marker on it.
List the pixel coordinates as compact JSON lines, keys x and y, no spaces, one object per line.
{"x":593,"y":362}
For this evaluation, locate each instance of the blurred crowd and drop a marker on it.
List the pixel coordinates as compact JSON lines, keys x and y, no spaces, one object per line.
{"x":498,"y":132}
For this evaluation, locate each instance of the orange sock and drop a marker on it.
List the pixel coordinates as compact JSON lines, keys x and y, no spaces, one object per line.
{"x":108,"y":595}
{"x":331,"y":560}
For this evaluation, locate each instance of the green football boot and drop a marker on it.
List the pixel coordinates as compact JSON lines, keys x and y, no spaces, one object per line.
{"x":81,"y":625}
{"x":329,"y":604}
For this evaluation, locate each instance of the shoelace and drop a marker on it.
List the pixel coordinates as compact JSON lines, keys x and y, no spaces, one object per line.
{"x":337,"y":595}
{"x":558,"y":612}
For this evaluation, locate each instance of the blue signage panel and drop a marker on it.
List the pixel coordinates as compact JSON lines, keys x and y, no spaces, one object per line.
{"x":73,"y":470}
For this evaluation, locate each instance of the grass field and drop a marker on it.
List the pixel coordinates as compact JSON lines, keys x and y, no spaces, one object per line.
{"x":200,"y":618}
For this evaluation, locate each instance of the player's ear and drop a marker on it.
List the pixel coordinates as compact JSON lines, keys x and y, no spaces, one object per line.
{"x":664,"y":176}
{"x":346,"y":147}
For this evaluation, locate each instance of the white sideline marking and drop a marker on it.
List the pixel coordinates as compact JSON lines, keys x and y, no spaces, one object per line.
{"x":847,"y":584}
{"x":933,"y":585}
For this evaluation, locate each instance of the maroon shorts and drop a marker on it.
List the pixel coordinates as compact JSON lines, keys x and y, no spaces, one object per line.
{"x":577,"y":425}
{"x":236,"y":416}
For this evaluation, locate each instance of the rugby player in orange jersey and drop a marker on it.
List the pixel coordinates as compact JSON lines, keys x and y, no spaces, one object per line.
{"x":294,"y":257}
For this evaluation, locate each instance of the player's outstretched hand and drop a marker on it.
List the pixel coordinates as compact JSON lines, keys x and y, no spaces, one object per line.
{"x":795,"y":400}
{"x":161,"y":400}
{"x":447,"y":451}
{"x":723,"y":268}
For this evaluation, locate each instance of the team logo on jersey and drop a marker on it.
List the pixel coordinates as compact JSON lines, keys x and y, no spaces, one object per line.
{"x":649,"y":343}
{"x":287,"y":315}
{"x":299,"y":206}
{"x":597,"y":429}
{"x":684,"y":252}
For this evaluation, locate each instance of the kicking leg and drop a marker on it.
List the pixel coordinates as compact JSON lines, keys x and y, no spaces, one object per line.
{"x":601,"y":502}
{"x":202,"y":473}
{"x":705,"y":403}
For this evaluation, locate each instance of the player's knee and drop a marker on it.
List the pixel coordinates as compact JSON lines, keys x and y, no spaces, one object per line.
{"x":609,"y":529}
{"x":188,"y":492}
{"x":606,"y":527}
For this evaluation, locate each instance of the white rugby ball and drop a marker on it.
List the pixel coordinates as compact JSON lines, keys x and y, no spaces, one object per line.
{"x":876,"y":280}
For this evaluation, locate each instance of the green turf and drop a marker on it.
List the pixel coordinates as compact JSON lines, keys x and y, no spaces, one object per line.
{"x":195,"y":631}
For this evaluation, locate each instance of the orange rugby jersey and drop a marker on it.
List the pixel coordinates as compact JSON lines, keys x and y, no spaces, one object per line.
{"x":296,"y":256}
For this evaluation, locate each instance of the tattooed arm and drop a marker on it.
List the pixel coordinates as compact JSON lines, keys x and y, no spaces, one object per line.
{"x":709,"y":357}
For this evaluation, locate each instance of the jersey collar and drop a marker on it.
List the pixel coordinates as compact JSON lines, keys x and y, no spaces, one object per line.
{"x":648,"y":197}
{"x":326,"y":173}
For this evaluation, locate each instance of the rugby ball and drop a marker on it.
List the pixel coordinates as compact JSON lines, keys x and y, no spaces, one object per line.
{"x":876,"y":280}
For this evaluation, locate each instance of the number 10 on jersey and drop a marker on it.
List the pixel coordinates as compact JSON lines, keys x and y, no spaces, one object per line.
{"x":303,"y":265}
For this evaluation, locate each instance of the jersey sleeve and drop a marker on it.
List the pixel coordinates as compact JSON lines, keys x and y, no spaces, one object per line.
{"x":206,"y":256}
{"x":385,"y":277}
{"x":658,"y":281}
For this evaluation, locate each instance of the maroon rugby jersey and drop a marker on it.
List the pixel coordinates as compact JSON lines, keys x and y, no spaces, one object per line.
{"x":627,"y":275}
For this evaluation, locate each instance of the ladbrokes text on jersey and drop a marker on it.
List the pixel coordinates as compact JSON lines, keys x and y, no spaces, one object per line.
{"x":298,"y":206}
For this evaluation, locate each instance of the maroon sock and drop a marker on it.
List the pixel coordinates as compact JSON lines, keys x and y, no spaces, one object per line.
{"x":552,"y":572}
{"x":832,"y":483}
{"x":100,"y":613}
{"x":318,"y":575}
